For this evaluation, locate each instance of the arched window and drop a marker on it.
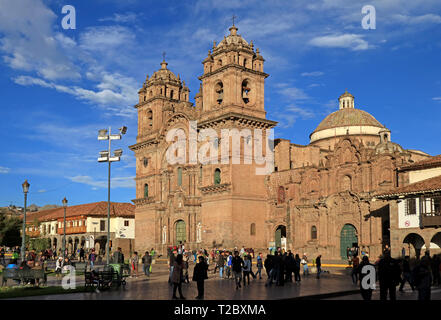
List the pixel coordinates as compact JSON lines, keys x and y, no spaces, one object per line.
{"x":151,"y":93}
{"x":313,"y":233}
{"x":253,"y":229}
{"x":171,"y":94}
{"x":149,"y":118}
{"x":246,"y":91}
{"x":217,"y":176}
{"x":146,"y":190}
{"x":219,"y":88}
{"x":281,"y":195}
{"x":179,"y":176}
{"x":245,"y":62}
{"x":220,"y":62}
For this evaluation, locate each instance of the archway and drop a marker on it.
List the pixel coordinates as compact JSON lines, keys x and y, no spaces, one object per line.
{"x":435,"y":243}
{"x":180,"y":232}
{"x":417,"y":243}
{"x":348,"y":239}
{"x":280,"y":237}
{"x":83,"y":242}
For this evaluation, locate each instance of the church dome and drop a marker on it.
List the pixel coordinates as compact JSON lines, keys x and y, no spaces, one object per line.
{"x":164,"y":74}
{"x":346,"y":121}
{"x":348,"y":117}
{"x":233,"y":39}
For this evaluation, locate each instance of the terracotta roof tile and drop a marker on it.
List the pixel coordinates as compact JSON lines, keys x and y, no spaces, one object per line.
{"x":97,"y":209}
{"x":427,"y":185}
{"x":426,"y":163}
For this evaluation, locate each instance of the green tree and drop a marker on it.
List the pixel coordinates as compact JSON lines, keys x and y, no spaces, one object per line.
{"x":9,"y":229}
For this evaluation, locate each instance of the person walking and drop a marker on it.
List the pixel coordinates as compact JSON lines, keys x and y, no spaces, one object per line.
{"x":171,"y":264}
{"x":389,"y":275}
{"x":185,"y":269}
{"x":228,"y":265}
{"x":407,"y":274}
{"x":269,"y":266}
{"x":246,"y":270}
{"x":318,"y":264}
{"x":92,"y":258}
{"x":147,"y":262}
{"x":297,"y":268}
{"x":259,"y":265}
{"x":135,"y":261}
{"x":177,"y":275}
{"x":304,"y":263}
{"x":366,"y":293}
{"x":200,"y":274}
{"x":423,"y":279}
{"x":237,"y":265}
{"x":220,"y":264}
{"x":354,"y":272}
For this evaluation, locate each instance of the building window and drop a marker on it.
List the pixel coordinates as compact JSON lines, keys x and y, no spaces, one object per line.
{"x":102,"y":225}
{"x":146,"y":190}
{"x":281,"y":195}
{"x":179,"y":176}
{"x":313,"y":233}
{"x":217,"y":176}
{"x":219,"y":88}
{"x":346,"y":183}
{"x":253,"y":229}
{"x":410,"y":205}
{"x":126,"y":223}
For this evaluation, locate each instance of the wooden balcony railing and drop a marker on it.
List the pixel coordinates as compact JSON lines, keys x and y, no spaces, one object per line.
{"x":431,"y":220}
{"x":72,"y":230}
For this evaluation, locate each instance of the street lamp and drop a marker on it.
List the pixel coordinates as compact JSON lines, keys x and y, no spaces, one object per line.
{"x":105,"y":156}
{"x":25,"y":187}
{"x":64,"y":201}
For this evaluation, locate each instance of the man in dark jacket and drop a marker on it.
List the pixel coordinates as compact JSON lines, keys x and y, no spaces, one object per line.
{"x":147,"y":261}
{"x":318,"y":264}
{"x":389,"y":274}
{"x":366,"y":293}
{"x":221,"y":263}
{"x":422,"y":277}
{"x":406,"y":274}
{"x":237,"y":265}
{"x":199,"y":275}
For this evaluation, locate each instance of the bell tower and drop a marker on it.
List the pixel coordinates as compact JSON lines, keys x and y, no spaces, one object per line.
{"x":233,"y":77}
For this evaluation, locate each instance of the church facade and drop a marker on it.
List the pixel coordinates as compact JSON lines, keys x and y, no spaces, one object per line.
{"x":318,"y":198}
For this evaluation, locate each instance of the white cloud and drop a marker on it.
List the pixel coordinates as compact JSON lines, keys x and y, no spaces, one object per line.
{"x":436,"y":99}
{"x":422,"y":19}
{"x":4,"y":170}
{"x":312,"y":74}
{"x":104,"y":38}
{"x":290,"y":92}
{"x":28,"y":42}
{"x":349,"y":41}
{"x":121,"y":17}
{"x":117,"y":182}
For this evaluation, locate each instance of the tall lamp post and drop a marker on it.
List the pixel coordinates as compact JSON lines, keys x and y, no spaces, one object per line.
{"x":64,"y":201}
{"x":25,"y":187}
{"x":105,"y":156}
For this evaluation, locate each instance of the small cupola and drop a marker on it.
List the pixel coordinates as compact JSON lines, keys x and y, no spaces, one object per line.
{"x":346,"y":101}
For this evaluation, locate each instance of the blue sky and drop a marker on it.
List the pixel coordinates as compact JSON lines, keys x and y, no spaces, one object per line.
{"x":58,"y":87}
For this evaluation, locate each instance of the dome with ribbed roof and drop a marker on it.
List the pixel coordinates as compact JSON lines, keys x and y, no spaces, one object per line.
{"x":348,"y":117}
{"x":163,"y":74}
{"x":347,"y":121}
{"x":234,"y":39}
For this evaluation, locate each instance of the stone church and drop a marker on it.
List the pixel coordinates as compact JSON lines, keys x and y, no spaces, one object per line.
{"x":318,"y":198}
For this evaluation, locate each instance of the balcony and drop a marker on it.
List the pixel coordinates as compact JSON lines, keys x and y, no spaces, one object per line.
{"x":431,"y":220}
{"x":72,"y":230}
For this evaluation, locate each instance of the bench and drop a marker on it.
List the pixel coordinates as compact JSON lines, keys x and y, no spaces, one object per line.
{"x":24,"y":275}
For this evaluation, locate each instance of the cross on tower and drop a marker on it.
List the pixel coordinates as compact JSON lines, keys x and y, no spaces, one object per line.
{"x":163,"y":56}
{"x":233,"y":17}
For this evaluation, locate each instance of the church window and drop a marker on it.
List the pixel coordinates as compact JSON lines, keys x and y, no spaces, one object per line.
{"x":145,"y":161}
{"x":160,"y":92}
{"x":146,"y":190}
{"x":179,"y":176}
{"x":253,"y":229}
{"x":245,"y":91}
{"x":220,"y":62}
{"x":144,"y":98}
{"x":151,"y":93}
{"x":281,"y":195}
{"x":313,"y":233}
{"x":219,"y":88}
{"x":217,"y":176}
{"x":245,"y":63}
{"x":149,"y":118}
{"x":171,"y":94}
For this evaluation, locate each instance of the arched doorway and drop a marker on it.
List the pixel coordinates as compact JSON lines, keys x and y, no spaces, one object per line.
{"x":435,"y":244}
{"x":180,"y":232}
{"x":348,"y":239}
{"x":280,"y":237}
{"x":417,"y":243}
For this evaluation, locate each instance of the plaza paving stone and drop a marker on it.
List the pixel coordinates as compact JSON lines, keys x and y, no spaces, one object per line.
{"x":157,"y":288}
